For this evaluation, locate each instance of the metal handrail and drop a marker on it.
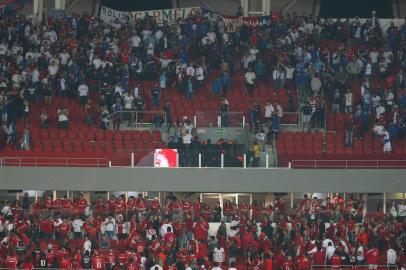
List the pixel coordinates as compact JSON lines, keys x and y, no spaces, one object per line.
{"x":4,"y":159}
{"x":100,"y":162}
{"x":132,"y":112}
{"x":323,"y":266}
{"x":315,"y":163}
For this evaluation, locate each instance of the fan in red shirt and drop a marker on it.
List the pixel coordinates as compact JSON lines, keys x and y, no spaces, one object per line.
{"x":57,"y":205}
{"x":101,"y":206}
{"x":372,"y":257}
{"x":12,"y":261}
{"x":111,"y":205}
{"x":47,"y":202}
{"x":130,"y":207}
{"x":132,"y":264}
{"x":66,"y":205}
{"x":170,"y":237}
{"x":109,"y":259}
{"x":187,"y":207}
{"x":65,"y":263}
{"x":197,"y":208}
{"x":335,"y":261}
{"x":65,"y":228}
{"x":27,"y":264}
{"x":120,"y":206}
{"x":81,"y":205}
{"x":201,"y":230}
{"x":97,"y":261}
{"x":303,"y":263}
{"x":154,"y":206}
{"x":319,"y":256}
{"x":141,"y":206}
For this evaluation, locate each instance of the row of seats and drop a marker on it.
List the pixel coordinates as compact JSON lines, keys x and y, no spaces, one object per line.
{"x":299,"y":143}
{"x":88,"y":146}
{"x":95,"y":135}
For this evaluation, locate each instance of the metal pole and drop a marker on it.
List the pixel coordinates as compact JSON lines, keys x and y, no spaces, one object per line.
{"x":136,"y":119}
{"x":132,"y":160}
{"x":291,"y":199}
{"x":177,"y":160}
{"x":109,"y":163}
{"x":218,"y":121}
{"x":200,"y":160}
{"x":290,"y":165}
{"x":267,"y":161}
{"x":222,"y":160}
{"x":384,"y":202}
{"x":195,"y":121}
{"x":243,"y":121}
{"x":245,"y":161}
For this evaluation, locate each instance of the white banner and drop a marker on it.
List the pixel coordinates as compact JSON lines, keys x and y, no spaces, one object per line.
{"x":164,"y":15}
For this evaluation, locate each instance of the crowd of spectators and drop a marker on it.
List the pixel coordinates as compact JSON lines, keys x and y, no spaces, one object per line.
{"x":330,"y":66}
{"x":142,"y":233}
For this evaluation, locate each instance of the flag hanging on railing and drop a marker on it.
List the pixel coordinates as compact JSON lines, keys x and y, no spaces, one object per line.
{"x":53,"y":15}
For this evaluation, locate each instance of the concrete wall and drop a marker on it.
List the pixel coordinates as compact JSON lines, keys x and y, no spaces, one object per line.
{"x":202,"y":180}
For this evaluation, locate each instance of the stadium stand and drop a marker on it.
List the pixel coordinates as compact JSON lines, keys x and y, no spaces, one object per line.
{"x":138,"y":232}
{"x":69,"y":91}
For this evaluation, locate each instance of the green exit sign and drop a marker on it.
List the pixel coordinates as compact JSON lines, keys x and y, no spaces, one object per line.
{"x":219,"y":130}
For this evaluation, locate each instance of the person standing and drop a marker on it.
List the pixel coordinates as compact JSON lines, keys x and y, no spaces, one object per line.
{"x":250,"y":81}
{"x":256,"y":154}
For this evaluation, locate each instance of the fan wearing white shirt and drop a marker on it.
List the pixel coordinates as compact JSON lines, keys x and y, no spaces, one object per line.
{"x":391,"y":256}
{"x":250,"y":81}
{"x":77,"y":225}
{"x":269,"y":109}
{"x":218,"y":254}
{"x":83,"y":91}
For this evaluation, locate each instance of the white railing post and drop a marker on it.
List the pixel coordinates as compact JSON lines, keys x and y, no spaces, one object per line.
{"x":245,"y":161}
{"x":267,"y":161}
{"x":218,"y":121}
{"x":290,"y":165}
{"x":195,"y":121}
{"x":109,"y":163}
{"x":177,"y":160}
{"x":200,"y":160}
{"x":222,"y":160}
{"x":132,"y":160}
{"x":243,"y":121}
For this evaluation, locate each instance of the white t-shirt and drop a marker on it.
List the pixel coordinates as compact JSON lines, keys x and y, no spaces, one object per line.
{"x":289,"y":73}
{"x":77,"y":225}
{"x":374,"y":57}
{"x":187,"y":138}
{"x":199,"y":74}
{"x":109,"y":224}
{"x":128,"y":100}
{"x":64,"y":57}
{"x":269,"y":109}
{"x":135,"y":41}
{"x":360,"y":253}
{"x":380,"y":110}
{"x":250,"y":77}
{"x":391,"y":255}
{"x":218,"y":254}
{"x":83,"y":90}
{"x":164,"y":229}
